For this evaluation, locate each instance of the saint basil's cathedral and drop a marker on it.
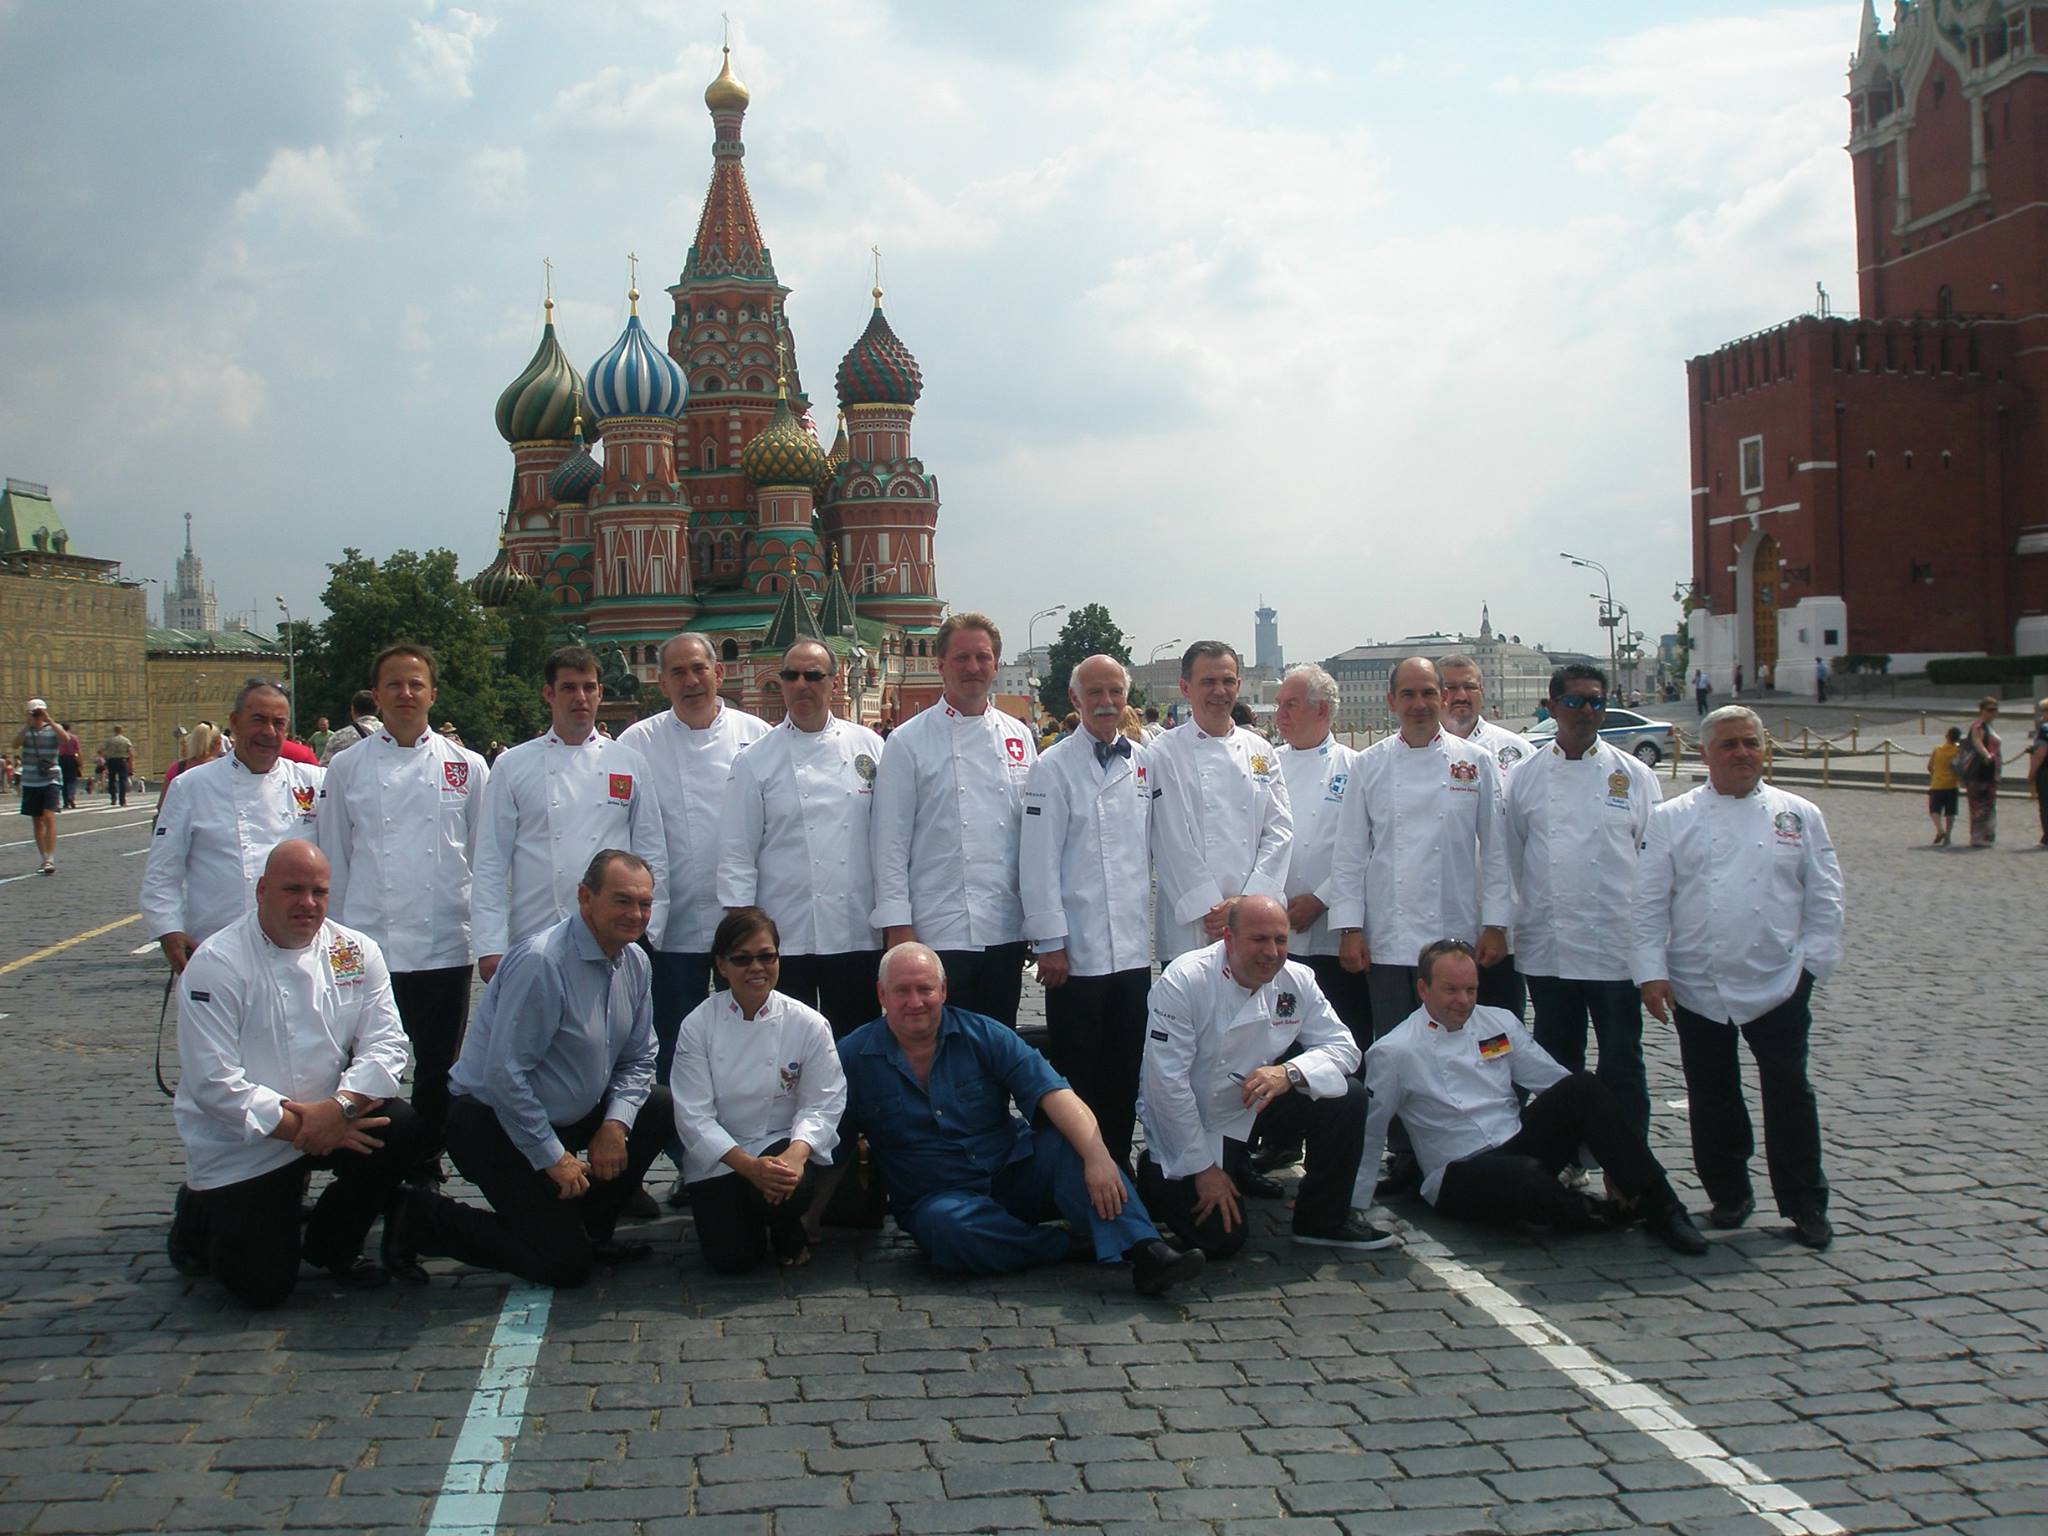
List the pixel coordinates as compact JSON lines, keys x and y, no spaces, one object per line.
{"x":685,"y":488}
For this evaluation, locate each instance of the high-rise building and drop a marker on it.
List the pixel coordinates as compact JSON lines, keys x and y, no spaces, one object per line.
{"x":1266,"y":653}
{"x":190,"y":603}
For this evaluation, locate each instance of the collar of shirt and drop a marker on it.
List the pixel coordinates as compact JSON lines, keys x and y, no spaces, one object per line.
{"x":1434,"y":741}
{"x":588,"y":742}
{"x":585,"y":944}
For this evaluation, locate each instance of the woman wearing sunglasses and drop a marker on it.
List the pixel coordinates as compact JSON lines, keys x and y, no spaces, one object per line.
{"x":758,"y":1094}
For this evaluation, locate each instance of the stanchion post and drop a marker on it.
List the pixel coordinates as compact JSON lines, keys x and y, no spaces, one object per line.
{"x":1824,"y":762}
{"x":1887,"y":762}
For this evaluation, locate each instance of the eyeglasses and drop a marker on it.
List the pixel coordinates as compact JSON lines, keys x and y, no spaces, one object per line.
{"x":743,"y":960}
{"x":1592,"y":701}
{"x":791,"y":674}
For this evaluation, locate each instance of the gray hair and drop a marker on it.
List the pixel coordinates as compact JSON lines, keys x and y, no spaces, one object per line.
{"x":909,"y":948}
{"x":1322,"y":688}
{"x":1727,"y":714}
{"x":1459,"y":659}
{"x":1074,"y":677}
{"x":257,"y":685}
{"x":690,"y":637}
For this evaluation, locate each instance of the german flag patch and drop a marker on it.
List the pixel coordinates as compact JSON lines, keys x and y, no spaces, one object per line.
{"x":1496,"y":1045}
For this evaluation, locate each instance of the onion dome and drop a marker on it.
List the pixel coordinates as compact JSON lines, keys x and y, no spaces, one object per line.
{"x":577,"y":475}
{"x":835,"y":457}
{"x":541,"y":402}
{"x":726,"y":94}
{"x":879,"y":370}
{"x":782,"y":453}
{"x":636,"y":378}
{"x":500,"y":581}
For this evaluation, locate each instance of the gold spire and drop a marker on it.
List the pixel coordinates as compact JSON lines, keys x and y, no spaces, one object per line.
{"x":876,"y":252}
{"x":726,"y":94}
{"x":633,"y":280}
{"x":547,"y":280}
{"x":577,"y":426}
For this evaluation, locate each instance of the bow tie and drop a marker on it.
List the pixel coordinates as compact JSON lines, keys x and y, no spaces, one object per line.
{"x":1120,"y":746}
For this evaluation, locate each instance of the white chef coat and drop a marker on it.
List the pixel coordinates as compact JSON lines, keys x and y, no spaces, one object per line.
{"x":548,"y":809}
{"x":1735,"y":896}
{"x":258,"y":1025}
{"x":690,"y":768}
{"x":1419,"y":853}
{"x":1506,"y":747}
{"x":214,"y":833}
{"x":1084,"y":856}
{"x":1574,"y":830}
{"x":749,"y":1083}
{"x":1316,"y":781}
{"x":1206,"y":1032}
{"x":1453,"y":1088}
{"x":1221,"y":828}
{"x":794,"y":835}
{"x":948,"y":799}
{"x":398,"y":826}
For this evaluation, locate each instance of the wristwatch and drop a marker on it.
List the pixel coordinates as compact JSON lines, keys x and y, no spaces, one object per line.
{"x":1294,"y":1074}
{"x":350,"y":1108}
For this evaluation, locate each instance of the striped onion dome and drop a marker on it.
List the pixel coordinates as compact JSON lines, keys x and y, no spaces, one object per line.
{"x":541,"y":402}
{"x":879,"y":370}
{"x":497,"y":583}
{"x":783,"y":453}
{"x":636,"y":378}
{"x":577,"y":475}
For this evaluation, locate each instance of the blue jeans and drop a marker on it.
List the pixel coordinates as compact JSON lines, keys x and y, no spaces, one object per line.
{"x":1563,"y":1007}
{"x":680,"y":983}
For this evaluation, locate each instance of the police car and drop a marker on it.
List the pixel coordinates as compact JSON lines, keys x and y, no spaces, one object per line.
{"x":1648,"y":739}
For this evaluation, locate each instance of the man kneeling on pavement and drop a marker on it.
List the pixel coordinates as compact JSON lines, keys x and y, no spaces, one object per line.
{"x":974,"y":1186}
{"x":1450,"y":1071}
{"x":1220,"y":1021}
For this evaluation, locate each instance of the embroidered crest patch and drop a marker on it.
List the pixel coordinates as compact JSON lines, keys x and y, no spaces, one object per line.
{"x":456,"y":776}
{"x":1496,"y":1045}
{"x":621,"y":786}
{"x":345,"y":959}
{"x":1283,"y":1005}
{"x":1464,"y":773}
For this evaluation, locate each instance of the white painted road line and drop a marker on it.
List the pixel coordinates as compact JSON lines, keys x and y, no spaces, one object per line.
{"x":89,"y":832}
{"x":1647,"y":1409}
{"x":474,"y":1485}
{"x":136,"y":853}
{"x":146,"y":949}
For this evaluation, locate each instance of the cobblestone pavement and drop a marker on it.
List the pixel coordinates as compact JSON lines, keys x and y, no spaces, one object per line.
{"x":1897,"y":1382}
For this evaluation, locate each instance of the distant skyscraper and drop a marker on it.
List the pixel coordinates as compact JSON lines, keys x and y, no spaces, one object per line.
{"x":191,"y":603}
{"x":1266,"y":653}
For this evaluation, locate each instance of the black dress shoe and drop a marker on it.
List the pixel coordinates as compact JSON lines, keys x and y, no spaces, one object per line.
{"x":1402,"y":1178}
{"x":186,"y":1244}
{"x":679,"y":1197}
{"x":640,"y":1206}
{"x":1730,"y":1214}
{"x":356,"y":1274}
{"x":400,"y":1248}
{"x":1813,"y":1228}
{"x":610,"y":1250}
{"x":1257,"y":1186}
{"x":1157,"y":1267}
{"x":1672,"y":1227}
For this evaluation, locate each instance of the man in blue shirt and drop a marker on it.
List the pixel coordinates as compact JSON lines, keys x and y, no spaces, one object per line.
{"x":559,"y":1061}
{"x":931,"y":1088}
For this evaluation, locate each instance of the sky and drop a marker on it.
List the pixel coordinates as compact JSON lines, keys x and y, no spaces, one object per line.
{"x":1347,"y":306}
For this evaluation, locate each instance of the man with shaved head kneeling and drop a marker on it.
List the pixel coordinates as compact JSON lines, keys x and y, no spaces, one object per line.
{"x":931,"y":1087}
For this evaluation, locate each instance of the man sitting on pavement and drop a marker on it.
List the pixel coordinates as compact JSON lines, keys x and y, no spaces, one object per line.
{"x":292,"y":1052}
{"x":558,"y":1061}
{"x":1451,"y":1071}
{"x":930,"y":1087}
{"x":1220,"y":1021}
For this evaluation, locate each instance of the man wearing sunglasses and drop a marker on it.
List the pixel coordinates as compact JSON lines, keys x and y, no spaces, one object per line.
{"x":1576,"y":815}
{"x":794,"y":842}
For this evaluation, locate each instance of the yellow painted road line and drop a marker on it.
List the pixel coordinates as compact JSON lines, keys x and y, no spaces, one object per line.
{"x":76,"y":939}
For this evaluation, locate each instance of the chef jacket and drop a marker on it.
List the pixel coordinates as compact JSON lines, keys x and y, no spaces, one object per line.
{"x":213,"y":837}
{"x":1419,"y":854}
{"x":1221,"y":827}
{"x":561,"y":1029}
{"x":1084,"y":856}
{"x":749,"y":1083}
{"x":944,"y":827}
{"x":1206,"y":1032}
{"x":955,"y":1130}
{"x":1735,"y":896}
{"x":258,"y":1025}
{"x":548,"y":809}
{"x":1316,"y":781}
{"x":1574,"y":830}
{"x":398,"y":825}
{"x":1507,"y":748}
{"x":794,"y":835}
{"x":690,"y":768}
{"x":1455,"y":1090}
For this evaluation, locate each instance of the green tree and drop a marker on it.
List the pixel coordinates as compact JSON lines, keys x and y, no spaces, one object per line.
{"x":1089,"y":631}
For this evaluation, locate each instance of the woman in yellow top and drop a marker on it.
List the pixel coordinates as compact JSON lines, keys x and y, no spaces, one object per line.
{"x":1943,"y":786}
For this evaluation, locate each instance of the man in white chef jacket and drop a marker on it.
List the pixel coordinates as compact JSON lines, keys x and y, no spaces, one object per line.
{"x":794,"y":841}
{"x":949,"y":795}
{"x":1576,"y":813}
{"x":291,"y":1052}
{"x":1738,"y":915}
{"x":1220,"y":826}
{"x":1318,"y":770}
{"x":554,"y":802}
{"x":1464,"y":689}
{"x":690,"y":748}
{"x":398,"y":822}
{"x":1085,"y":866}
{"x":1222,"y":1020}
{"x":220,"y":822}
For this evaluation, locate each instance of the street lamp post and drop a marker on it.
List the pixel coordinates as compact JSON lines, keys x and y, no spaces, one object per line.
{"x":1031,"y":640}
{"x":291,"y":661}
{"x":1606,"y":613}
{"x":1164,"y":645}
{"x":856,"y":664}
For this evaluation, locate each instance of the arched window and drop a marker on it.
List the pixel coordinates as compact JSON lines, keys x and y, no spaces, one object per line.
{"x":757,"y":384}
{"x":710,"y":455}
{"x":728,"y":650}
{"x":728,"y":548}
{"x":1945,"y":303}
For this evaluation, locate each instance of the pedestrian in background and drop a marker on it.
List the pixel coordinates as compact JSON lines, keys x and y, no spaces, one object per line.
{"x":38,"y":744}
{"x":118,"y":752}
{"x":2037,"y":762}
{"x":1980,"y":775}
{"x":1943,"y":789}
{"x":69,"y":764}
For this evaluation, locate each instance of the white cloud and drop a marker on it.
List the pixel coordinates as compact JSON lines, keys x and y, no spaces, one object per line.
{"x":496,"y":178}
{"x":314,"y":187}
{"x":442,"y":57}
{"x":360,"y":95}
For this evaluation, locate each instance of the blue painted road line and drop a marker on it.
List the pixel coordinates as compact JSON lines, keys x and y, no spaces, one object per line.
{"x":474,"y":1485}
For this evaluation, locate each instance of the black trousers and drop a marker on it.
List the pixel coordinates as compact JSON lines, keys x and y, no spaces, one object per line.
{"x":1517,"y":1180}
{"x":117,"y":781}
{"x":1500,"y":986}
{"x":434,"y":1008}
{"x":989,"y":981}
{"x":2041,"y":797}
{"x":530,"y":1231}
{"x":736,"y":1225}
{"x":249,"y":1231}
{"x":841,"y":987}
{"x":72,"y":774}
{"x":1563,"y":1008}
{"x":1722,"y":1142}
{"x":1350,"y":996}
{"x":1333,"y":1130}
{"x":1095,"y":1039}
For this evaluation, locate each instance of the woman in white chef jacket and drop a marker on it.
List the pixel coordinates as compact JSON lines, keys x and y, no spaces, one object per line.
{"x":758,"y":1093}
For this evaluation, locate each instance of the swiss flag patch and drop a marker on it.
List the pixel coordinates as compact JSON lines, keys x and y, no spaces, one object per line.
{"x":455,"y":775}
{"x":621,"y":786}
{"x":1014,"y":745}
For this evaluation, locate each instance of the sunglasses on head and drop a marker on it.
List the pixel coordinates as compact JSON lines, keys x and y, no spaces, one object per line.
{"x":1593,"y":701}
{"x":809,"y":675}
